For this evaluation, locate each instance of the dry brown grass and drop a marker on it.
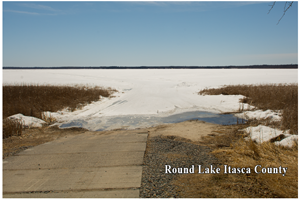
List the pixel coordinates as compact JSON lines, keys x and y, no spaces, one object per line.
{"x":232,"y":149}
{"x":12,"y":128}
{"x":267,"y":96}
{"x":33,"y":100}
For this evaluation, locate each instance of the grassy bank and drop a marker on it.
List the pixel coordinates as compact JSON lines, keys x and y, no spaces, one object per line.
{"x":33,"y":100}
{"x":233,"y":150}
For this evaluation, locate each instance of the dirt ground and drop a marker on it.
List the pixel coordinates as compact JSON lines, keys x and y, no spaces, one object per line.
{"x":190,"y":131}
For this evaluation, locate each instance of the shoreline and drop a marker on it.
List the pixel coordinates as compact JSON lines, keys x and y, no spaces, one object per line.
{"x":190,"y":131}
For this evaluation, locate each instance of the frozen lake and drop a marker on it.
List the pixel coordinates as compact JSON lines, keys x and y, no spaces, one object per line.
{"x":155,"y":94}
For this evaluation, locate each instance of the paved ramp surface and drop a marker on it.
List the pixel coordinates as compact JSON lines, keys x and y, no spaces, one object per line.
{"x":93,"y":164}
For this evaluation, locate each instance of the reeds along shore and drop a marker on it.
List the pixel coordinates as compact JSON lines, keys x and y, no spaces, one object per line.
{"x":33,"y":100}
{"x":267,"y":96}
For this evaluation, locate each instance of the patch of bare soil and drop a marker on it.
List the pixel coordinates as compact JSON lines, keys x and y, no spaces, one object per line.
{"x":35,"y":136}
{"x":191,"y":130}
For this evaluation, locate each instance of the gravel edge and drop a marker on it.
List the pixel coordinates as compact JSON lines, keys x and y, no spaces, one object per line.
{"x":167,"y":150}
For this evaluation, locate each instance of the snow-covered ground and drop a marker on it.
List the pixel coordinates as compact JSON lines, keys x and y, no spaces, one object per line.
{"x":260,"y":114}
{"x":263,"y":133}
{"x":28,"y":121}
{"x":151,"y":92}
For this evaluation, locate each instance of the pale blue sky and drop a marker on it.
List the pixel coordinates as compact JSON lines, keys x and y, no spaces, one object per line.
{"x":148,"y":33}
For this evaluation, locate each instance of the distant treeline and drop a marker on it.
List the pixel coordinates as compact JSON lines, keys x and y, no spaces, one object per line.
{"x":284,"y":66}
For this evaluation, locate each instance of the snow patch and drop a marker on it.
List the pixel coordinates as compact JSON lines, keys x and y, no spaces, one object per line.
{"x":28,"y":121}
{"x":48,"y":114}
{"x":289,"y":141}
{"x":260,"y":114}
{"x":263,"y":133}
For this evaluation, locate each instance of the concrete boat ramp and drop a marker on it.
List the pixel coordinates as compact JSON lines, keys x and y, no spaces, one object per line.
{"x":93,"y":164}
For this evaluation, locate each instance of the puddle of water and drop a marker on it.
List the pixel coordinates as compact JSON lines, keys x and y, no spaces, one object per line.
{"x":133,"y":121}
{"x":223,"y":119}
{"x":74,"y":123}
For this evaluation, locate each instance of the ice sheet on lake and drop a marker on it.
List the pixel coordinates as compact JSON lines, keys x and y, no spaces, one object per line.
{"x":149,"y":94}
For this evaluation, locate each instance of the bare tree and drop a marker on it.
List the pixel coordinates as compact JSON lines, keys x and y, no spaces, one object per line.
{"x":287,"y":6}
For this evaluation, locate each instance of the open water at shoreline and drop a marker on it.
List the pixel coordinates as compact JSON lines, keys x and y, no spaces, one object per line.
{"x":134,"y":121}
